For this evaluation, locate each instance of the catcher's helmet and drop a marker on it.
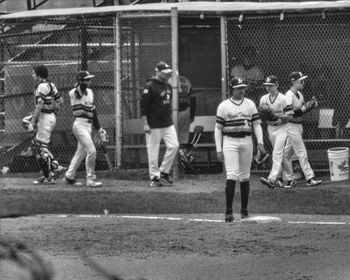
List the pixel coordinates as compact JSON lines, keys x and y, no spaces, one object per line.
{"x":27,"y":120}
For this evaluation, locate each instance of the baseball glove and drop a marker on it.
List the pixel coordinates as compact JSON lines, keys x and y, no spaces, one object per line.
{"x":266,"y":114}
{"x":308,"y":106}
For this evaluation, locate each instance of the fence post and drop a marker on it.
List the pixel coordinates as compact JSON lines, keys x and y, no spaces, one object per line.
{"x":118,"y":96}
{"x":224,"y":62}
{"x":175,"y":59}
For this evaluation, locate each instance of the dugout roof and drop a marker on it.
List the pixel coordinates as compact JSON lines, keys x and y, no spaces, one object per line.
{"x":215,"y":8}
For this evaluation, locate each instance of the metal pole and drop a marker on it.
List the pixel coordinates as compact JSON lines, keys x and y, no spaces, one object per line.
{"x":224,"y":64}
{"x":175,"y":61}
{"x":118,"y":96}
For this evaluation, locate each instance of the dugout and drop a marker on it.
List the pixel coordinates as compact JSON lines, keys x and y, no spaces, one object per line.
{"x":203,"y":40}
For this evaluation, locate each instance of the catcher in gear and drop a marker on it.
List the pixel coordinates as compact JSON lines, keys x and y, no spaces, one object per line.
{"x":43,"y":121}
{"x":295,"y":142}
{"x":84,"y":111}
{"x":236,"y":119}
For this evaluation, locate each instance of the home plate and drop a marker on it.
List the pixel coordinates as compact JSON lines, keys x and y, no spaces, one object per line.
{"x":261,"y":219}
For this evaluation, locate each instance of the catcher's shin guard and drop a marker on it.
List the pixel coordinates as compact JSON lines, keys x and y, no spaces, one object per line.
{"x":44,"y":157}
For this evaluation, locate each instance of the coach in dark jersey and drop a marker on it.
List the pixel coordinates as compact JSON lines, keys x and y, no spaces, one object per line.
{"x":157,"y":120}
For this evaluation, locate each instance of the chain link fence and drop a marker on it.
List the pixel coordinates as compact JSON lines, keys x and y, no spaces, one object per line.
{"x":64,"y":46}
{"x":313,"y":43}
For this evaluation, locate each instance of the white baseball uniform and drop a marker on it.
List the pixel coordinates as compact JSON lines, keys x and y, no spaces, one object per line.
{"x":236,"y":119}
{"x":295,"y":139}
{"x":277,"y":132}
{"x":48,"y":93}
{"x":82,"y":107}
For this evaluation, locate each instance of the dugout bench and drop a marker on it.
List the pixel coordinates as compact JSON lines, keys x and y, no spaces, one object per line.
{"x":133,"y":135}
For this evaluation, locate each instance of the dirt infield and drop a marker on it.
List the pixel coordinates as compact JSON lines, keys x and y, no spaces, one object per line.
{"x":178,"y":249}
{"x":178,"y":246}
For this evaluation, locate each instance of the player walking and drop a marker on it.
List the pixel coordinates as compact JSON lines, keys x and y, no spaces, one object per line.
{"x":236,"y":118}
{"x":295,"y":130}
{"x":158,"y":124}
{"x":277,"y":117}
{"x":47,"y":102}
{"x":84,"y":111}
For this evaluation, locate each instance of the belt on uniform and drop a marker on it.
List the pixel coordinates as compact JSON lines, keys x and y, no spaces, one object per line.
{"x":84,"y":119}
{"x":47,"y":111}
{"x":237,"y":134}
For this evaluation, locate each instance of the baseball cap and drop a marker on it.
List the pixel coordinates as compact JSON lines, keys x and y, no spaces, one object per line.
{"x":237,"y":82}
{"x":163,"y":67}
{"x":296,"y":76}
{"x":84,"y":75}
{"x":271,"y":81}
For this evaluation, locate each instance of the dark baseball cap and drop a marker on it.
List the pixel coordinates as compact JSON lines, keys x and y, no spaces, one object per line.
{"x":163,"y":67}
{"x":296,"y":76}
{"x":271,"y":81}
{"x":84,"y":75}
{"x":237,"y":82}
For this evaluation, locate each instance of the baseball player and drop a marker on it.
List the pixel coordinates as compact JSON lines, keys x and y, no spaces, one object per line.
{"x":84,"y":111}
{"x":157,"y":120}
{"x":236,"y":119}
{"x":275,"y":103}
{"x":47,"y":102}
{"x":295,"y":141}
{"x":187,"y":108}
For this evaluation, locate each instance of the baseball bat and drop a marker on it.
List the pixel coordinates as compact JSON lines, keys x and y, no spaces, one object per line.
{"x":106,"y":155}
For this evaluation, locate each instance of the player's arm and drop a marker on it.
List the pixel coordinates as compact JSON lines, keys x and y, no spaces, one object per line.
{"x":218,"y":135}
{"x":145,"y":103}
{"x":256,"y":122}
{"x":36,"y":114}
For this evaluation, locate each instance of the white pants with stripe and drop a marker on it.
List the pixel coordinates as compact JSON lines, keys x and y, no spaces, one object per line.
{"x":278,"y":138}
{"x":153,"y":139}
{"x":238,"y":155}
{"x":295,"y":142}
{"x":82,"y":129}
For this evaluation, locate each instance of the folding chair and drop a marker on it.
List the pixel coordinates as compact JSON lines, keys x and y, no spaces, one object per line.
{"x":186,"y":158}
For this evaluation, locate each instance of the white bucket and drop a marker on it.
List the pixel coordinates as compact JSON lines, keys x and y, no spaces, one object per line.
{"x":339,"y":163}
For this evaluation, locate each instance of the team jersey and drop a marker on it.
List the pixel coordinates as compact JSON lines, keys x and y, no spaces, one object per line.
{"x":185,"y":92}
{"x":278,"y":105}
{"x":236,"y":118}
{"x":156,"y":104}
{"x":48,"y":93}
{"x":251,"y":76}
{"x":82,"y":104}
{"x":295,"y":100}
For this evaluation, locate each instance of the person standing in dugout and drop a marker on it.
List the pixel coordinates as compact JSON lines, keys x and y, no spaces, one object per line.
{"x":236,"y":119}
{"x":274,"y":110}
{"x":295,"y":142}
{"x":156,"y":111}
{"x":187,"y":108}
{"x":84,"y":111}
{"x":47,"y":103}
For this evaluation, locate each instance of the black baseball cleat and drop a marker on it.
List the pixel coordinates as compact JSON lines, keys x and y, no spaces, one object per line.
{"x":228,"y":216}
{"x":244,"y":214}
{"x":267,"y":182}
{"x":165,"y":179}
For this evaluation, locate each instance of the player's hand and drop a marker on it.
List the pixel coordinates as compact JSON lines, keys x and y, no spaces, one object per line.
{"x":261,"y":148}
{"x":220,"y":156}
{"x":30,"y":128}
{"x":146,"y":128}
{"x":278,"y":122}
